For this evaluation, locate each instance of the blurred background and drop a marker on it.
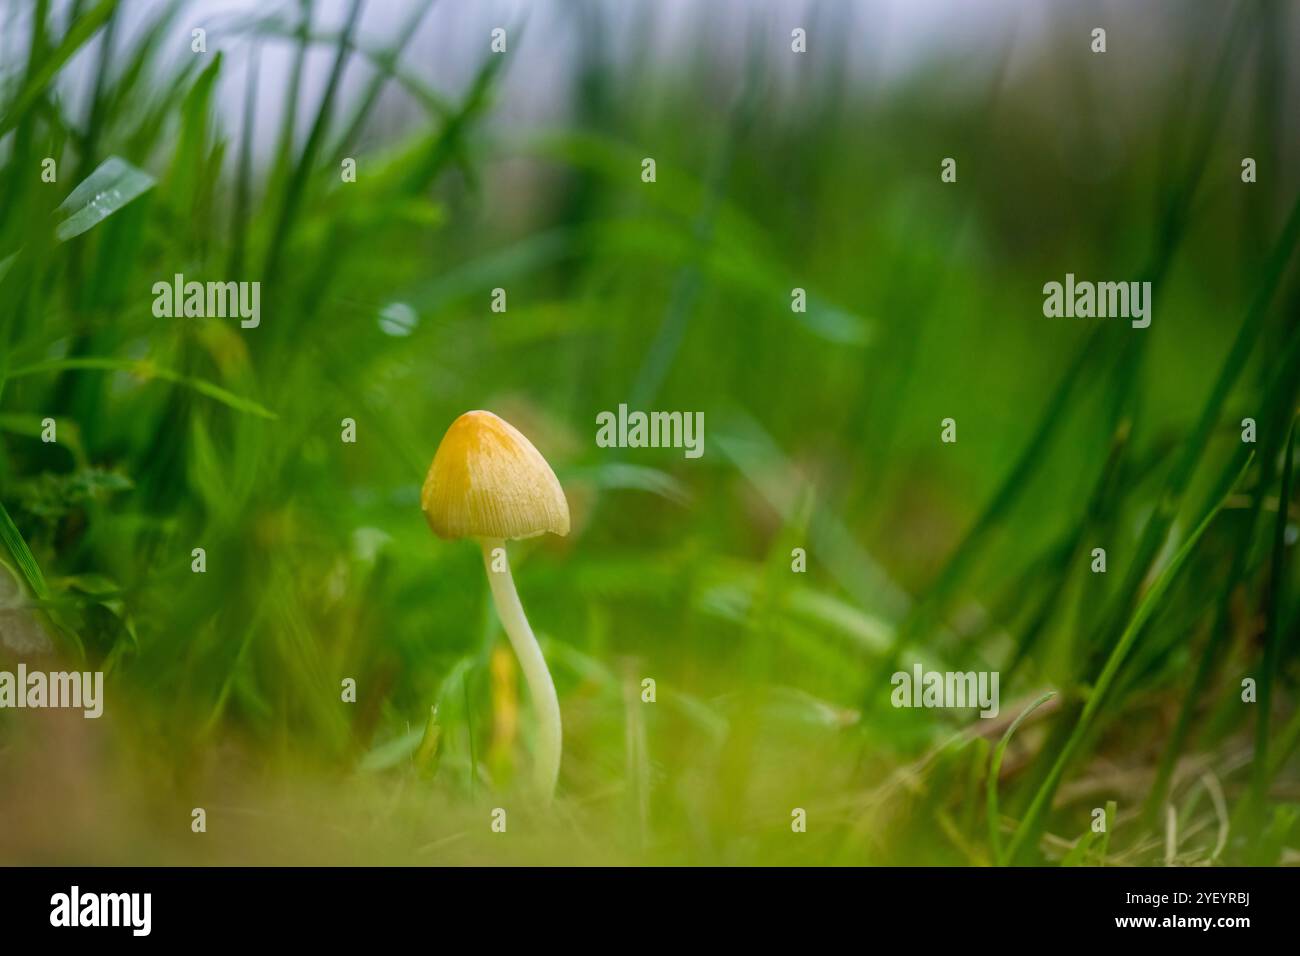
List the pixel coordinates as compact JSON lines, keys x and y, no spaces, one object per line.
{"x":775,"y":170}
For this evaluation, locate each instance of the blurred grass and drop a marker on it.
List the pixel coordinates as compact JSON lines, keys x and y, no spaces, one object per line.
{"x":822,"y":434}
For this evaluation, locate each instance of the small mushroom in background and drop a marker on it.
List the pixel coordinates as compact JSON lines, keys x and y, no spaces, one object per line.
{"x":488,"y":482}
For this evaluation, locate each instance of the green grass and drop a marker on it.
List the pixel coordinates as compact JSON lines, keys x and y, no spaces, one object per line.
{"x":822,"y":433}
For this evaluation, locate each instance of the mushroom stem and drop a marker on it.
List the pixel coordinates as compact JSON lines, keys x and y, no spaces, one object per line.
{"x":547,"y":763}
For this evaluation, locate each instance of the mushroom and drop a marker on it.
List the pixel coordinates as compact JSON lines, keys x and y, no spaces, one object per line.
{"x":488,"y":482}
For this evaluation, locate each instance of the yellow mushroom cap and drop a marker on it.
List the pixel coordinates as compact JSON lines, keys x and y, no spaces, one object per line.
{"x":488,"y":481}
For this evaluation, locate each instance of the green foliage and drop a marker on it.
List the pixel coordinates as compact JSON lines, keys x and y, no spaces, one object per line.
{"x":773,"y":688}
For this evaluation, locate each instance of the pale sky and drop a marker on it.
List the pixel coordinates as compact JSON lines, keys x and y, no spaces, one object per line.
{"x":885,"y":40}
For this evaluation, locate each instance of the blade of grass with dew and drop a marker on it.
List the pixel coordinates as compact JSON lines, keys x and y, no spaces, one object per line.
{"x":112,"y":185}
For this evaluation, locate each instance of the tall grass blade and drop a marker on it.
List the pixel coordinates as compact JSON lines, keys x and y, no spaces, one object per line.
{"x":148,"y":370}
{"x":22,"y":555}
{"x":995,"y":770}
{"x":36,"y":86}
{"x":1027,"y":833}
{"x":1260,"y":775}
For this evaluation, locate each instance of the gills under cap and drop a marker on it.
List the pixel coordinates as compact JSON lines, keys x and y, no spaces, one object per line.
{"x":488,"y":481}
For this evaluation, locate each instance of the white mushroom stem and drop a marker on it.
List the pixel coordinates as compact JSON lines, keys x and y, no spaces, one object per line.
{"x":540,"y":686}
